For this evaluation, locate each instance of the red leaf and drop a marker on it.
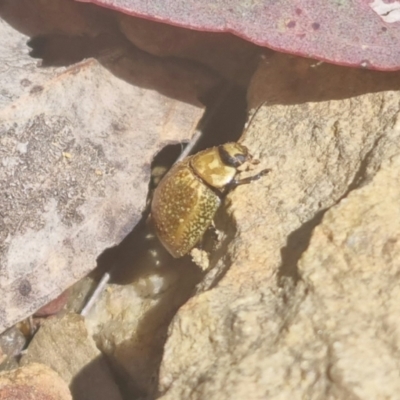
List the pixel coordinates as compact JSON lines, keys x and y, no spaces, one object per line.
{"x":361,"y":33}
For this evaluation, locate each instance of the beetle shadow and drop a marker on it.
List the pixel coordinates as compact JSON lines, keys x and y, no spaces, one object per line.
{"x":140,"y":253}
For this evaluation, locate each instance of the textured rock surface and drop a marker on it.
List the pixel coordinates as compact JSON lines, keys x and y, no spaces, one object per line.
{"x":75,"y":147}
{"x":64,"y":345}
{"x":270,"y":327}
{"x":33,"y":382}
{"x":351,"y":277}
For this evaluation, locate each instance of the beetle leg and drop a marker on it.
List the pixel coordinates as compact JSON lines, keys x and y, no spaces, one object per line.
{"x":209,"y":240}
{"x":244,"y":181}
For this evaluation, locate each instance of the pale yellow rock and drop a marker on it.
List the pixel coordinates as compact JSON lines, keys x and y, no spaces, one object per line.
{"x":351,"y":270}
{"x":129,"y":322}
{"x":269,"y":329}
{"x":33,"y":382}
{"x":65,"y":345}
{"x":116,"y":323}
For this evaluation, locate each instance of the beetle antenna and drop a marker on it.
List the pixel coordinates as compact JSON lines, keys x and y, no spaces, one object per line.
{"x":250,"y":121}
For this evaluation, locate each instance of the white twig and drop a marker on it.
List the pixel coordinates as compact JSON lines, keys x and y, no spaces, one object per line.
{"x":188,"y":149}
{"x":96,"y":294}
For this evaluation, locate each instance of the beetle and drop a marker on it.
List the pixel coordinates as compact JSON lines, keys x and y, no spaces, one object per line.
{"x":186,"y":199}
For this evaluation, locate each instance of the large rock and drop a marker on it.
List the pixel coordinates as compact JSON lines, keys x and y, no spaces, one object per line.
{"x":349,"y":315}
{"x":269,"y":327}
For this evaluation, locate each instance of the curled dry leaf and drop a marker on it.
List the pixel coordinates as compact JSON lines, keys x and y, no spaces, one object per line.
{"x":357,"y":33}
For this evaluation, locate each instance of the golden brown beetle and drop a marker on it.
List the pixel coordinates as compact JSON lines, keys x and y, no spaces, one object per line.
{"x":187,"y":198}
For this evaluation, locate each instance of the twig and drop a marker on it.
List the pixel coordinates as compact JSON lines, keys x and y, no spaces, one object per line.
{"x":96,"y":294}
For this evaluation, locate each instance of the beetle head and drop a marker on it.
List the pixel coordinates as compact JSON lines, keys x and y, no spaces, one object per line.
{"x":233,"y":154}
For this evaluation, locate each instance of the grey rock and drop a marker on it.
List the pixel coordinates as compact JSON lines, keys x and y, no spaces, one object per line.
{"x":75,"y":151}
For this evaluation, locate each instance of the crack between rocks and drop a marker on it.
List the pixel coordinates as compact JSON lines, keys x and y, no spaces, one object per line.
{"x":299,"y":240}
